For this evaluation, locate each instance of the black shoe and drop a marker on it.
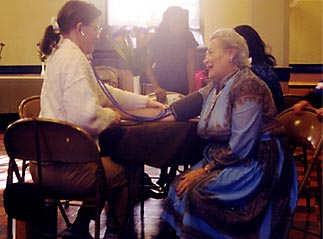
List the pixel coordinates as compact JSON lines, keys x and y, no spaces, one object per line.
{"x":148,"y":189}
{"x":156,"y":192}
{"x":73,"y":233}
{"x":145,"y":192}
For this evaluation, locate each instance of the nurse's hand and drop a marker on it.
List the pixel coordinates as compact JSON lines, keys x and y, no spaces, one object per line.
{"x":117,"y":117}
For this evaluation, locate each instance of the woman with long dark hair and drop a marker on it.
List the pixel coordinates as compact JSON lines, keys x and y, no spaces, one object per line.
{"x":262,"y":63}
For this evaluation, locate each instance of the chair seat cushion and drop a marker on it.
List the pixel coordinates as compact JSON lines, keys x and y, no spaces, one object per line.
{"x":76,"y":180}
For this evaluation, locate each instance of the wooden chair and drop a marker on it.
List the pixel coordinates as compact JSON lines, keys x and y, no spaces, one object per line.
{"x":29,"y":107}
{"x":306,"y":132}
{"x":108,"y":74}
{"x":44,"y":142}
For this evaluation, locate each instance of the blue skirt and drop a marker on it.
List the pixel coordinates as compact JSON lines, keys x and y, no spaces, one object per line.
{"x":253,"y":200}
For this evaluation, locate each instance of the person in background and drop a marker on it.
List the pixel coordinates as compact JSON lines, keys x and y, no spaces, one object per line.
{"x":262,"y":63}
{"x":71,"y":93}
{"x":170,"y":63}
{"x":171,"y":55}
{"x":245,"y":186}
{"x":312,"y":99}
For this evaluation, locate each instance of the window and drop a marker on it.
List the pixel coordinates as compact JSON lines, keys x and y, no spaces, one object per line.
{"x":147,"y":13}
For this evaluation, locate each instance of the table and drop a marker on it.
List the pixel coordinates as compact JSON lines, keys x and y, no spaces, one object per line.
{"x":302,"y":85}
{"x":157,"y":144}
{"x":14,"y":88}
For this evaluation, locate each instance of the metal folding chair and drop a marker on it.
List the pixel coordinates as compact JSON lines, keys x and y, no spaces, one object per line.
{"x":51,"y":142}
{"x":306,"y":131}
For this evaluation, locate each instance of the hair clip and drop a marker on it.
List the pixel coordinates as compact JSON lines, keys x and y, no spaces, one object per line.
{"x":54,"y":24}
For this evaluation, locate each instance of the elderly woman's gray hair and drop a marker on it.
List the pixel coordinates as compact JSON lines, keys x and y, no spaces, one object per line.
{"x":229,"y":38}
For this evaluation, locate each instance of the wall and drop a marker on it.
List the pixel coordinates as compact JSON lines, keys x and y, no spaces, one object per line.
{"x":218,"y":13}
{"x":22,"y":24}
{"x":269,"y":18}
{"x":306,"y":36}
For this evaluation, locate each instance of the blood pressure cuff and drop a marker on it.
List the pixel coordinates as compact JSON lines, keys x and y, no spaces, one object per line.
{"x":188,"y":107}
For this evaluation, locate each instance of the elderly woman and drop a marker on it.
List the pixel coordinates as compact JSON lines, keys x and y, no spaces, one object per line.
{"x":245,"y":184}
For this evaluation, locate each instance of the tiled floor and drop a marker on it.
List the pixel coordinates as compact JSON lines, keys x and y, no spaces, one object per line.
{"x":147,"y":227}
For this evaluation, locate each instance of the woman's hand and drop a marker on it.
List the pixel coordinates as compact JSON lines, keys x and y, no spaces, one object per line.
{"x":319,"y":113}
{"x":161,"y":95}
{"x":188,"y":179}
{"x":117,"y":119}
{"x":298,"y":107}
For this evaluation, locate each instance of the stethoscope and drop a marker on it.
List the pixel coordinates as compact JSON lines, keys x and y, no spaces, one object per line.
{"x":166,"y":112}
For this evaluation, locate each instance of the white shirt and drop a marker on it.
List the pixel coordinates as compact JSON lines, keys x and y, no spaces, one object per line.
{"x":71,"y":93}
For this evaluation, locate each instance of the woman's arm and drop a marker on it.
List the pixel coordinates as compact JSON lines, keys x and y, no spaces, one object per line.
{"x":190,"y":69}
{"x":149,"y":70}
{"x":160,"y":92}
{"x":152,"y":109}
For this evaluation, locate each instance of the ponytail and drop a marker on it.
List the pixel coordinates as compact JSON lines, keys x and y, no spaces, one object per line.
{"x":49,"y":41}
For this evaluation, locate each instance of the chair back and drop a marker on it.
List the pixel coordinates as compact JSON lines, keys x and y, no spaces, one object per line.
{"x":291,"y":99}
{"x":52,"y":143}
{"x":303,"y":130}
{"x":50,"y":140}
{"x":108,"y":75}
{"x":29,"y":107}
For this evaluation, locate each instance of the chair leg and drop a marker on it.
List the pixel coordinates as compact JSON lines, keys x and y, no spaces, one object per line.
{"x":131,"y":185}
{"x":63,"y":213}
{"x":307,"y":174}
{"x":24,"y":168}
{"x":9,"y":228}
{"x":97,"y":223}
{"x":308,"y":196}
{"x":315,"y":162}
{"x":320,"y":189}
{"x":142,"y":201}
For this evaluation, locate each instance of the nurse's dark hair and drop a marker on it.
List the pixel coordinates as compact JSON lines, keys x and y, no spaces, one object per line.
{"x":72,"y":13}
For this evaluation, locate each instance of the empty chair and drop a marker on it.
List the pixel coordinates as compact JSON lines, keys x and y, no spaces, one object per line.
{"x":29,"y":107}
{"x":52,"y":144}
{"x":306,"y":132}
{"x":108,"y":75}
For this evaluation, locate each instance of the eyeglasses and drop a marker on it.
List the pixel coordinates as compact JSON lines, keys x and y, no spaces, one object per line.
{"x":97,"y":29}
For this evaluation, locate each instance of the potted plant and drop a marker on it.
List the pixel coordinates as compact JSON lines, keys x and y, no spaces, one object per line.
{"x":130,"y":43}
{"x":42,"y":58}
{"x":1,"y":47}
